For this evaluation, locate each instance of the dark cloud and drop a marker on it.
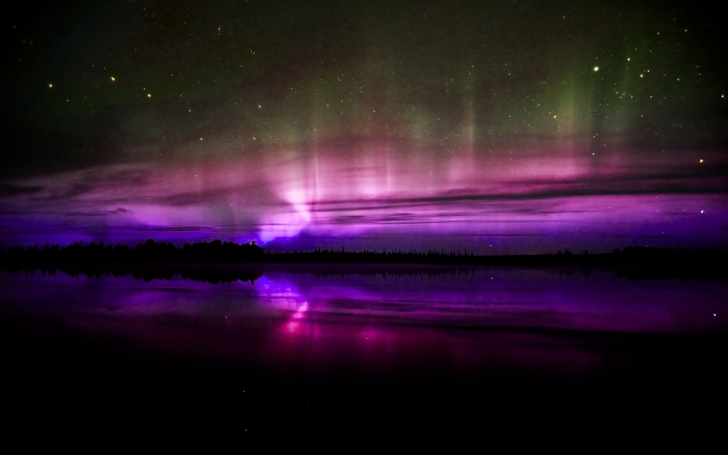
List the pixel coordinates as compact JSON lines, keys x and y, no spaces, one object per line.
{"x":10,"y":190}
{"x":118,"y":211}
{"x":449,"y":200}
{"x":212,"y":195}
{"x":175,"y":229}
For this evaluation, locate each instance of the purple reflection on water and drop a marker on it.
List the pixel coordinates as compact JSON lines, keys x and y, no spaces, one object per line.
{"x":459,"y":320}
{"x":513,"y":298}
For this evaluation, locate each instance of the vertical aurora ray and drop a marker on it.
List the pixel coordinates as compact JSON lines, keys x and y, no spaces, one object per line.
{"x":336,"y":192}
{"x":368,"y":126}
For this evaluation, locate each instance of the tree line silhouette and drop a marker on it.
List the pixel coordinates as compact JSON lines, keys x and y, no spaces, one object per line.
{"x":250,"y":253}
{"x":219,"y":261}
{"x":147,"y":252}
{"x":205,"y":272}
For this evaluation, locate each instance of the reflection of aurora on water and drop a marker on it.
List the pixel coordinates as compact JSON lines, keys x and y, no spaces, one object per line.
{"x":373,"y":321}
{"x":283,"y":295}
{"x":305,"y":341}
{"x":475,"y":297}
{"x":496,"y":299}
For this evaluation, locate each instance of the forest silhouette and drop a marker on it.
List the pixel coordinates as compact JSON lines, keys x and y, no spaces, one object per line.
{"x":219,"y":261}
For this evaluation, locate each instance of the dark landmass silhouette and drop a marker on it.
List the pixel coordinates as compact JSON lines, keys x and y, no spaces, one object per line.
{"x":219,"y":261}
{"x":207,"y":273}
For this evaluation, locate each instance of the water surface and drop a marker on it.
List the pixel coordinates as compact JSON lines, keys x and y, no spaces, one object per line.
{"x":306,"y":340}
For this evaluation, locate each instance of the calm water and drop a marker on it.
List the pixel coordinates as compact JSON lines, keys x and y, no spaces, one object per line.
{"x":306,"y":343}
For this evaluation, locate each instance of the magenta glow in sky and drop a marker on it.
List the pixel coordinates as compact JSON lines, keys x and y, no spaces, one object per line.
{"x":516,"y":127}
{"x":384,"y":194}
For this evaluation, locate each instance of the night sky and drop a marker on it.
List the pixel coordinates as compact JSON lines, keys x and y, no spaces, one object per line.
{"x":500,"y":127}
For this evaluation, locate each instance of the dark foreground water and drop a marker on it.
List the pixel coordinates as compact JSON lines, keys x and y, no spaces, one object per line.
{"x":318,"y":352}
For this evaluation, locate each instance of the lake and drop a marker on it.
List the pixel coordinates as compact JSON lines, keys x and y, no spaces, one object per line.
{"x":319,"y":350}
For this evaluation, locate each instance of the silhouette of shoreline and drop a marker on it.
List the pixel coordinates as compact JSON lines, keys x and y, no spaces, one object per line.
{"x":217,"y":261}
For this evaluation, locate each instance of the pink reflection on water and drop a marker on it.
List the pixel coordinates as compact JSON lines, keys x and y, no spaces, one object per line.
{"x":384,"y":350}
{"x":533,"y":320}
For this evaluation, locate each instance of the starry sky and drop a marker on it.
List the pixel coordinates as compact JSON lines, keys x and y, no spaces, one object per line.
{"x":501,"y":127}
